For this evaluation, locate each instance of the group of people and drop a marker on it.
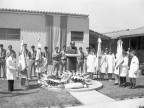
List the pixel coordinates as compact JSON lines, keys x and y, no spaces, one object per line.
{"x":128,"y":67}
{"x":103,"y":64}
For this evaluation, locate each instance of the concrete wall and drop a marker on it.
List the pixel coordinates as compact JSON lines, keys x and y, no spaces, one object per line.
{"x":33,"y":25}
{"x":78,"y":24}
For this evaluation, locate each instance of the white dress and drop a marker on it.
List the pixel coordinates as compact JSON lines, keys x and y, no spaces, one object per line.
{"x":103,"y":66}
{"x":134,"y":67}
{"x":91,"y":63}
{"x":124,"y":67}
{"x":116,"y":70}
{"x":11,"y":68}
{"x":110,"y":63}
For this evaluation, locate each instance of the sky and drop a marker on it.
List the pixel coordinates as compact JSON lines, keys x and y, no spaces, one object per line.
{"x":104,"y":15}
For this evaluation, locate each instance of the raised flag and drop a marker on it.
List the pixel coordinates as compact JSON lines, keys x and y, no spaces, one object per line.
{"x":22,"y":64}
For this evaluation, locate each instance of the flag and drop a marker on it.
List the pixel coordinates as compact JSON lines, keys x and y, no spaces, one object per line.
{"x":98,"y":54}
{"x":119,"y":55}
{"x":22,"y":64}
{"x":38,"y":54}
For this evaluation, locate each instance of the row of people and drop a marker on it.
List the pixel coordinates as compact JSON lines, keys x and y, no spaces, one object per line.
{"x":58,"y":57}
{"x":128,"y":68}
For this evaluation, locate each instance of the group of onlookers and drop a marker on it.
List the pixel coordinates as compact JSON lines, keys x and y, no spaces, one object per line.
{"x":103,"y":64}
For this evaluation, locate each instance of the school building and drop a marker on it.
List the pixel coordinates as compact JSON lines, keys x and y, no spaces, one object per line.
{"x":56,"y":29}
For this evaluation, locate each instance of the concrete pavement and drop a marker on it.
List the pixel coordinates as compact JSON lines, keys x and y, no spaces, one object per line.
{"x":133,"y":103}
{"x":91,"y":97}
{"x":94,"y":99}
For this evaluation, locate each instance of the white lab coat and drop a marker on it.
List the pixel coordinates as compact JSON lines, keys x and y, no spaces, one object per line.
{"x":110,"y":63}
{"x":134,"y":67}
{"x":103,"y":64}
{"x":91,"y":63}
{"x":124,"y":67}
{"x":11,"y":68}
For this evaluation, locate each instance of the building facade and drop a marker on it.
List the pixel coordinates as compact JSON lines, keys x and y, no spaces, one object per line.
{"x":56,"y":29}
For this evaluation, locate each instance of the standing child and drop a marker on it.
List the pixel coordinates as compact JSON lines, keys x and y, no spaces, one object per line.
{"x":38,"y":63}
{"x":91,"y":63}
{"x":103,"y":65}
{"x":110,"y":63}
{"x":134,"y":68}
{"x":123,"y":70}
{"x":44,"y":63}
{"x":80,"y":60}
{"x":11,"y":71}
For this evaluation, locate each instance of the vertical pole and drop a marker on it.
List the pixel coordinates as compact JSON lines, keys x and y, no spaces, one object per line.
{"x":129,"y":42}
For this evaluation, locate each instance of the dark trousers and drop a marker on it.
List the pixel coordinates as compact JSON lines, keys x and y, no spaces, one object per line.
{"x":10,"y":85}
{"x":32,"y":65}
{"x":132,"y":82}
{"x":123,"y":81}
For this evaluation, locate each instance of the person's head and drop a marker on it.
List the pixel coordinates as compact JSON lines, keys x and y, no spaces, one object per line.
{"x":102,"y":52}
{"x":106,"y":50}
{"x":91,"y":51}
{"x":10,"y":47}
{"x":132,"y":53}
{"x":25,"y":45}
{"x":42,"y":54}
{"x":110,"y":52}
{"x":45,"y":48}
{"x":80,"y":49}
{"x":1,"y":46}
{"x":12,"y":54}
{"x":87,"y":48}
{"x":72,"y":43}
{"x":124,"y":53}
{"x":32,"y":47}
{"x":64,"y":48}
{"x":56,"y":49}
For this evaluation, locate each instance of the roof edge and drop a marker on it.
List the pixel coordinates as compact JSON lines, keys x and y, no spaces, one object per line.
{"x":42,"y":12}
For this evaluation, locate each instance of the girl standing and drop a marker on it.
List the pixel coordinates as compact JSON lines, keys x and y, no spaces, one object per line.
{"x":110,"y":63}
{"x":11,"y":71}
{"x":103,"y":65}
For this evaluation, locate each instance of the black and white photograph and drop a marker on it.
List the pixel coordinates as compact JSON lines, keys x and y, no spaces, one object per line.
{"x":71,"y":53}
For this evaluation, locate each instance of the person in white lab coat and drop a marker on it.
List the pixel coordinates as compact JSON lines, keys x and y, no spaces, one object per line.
{"x":110,"y":65}
{"x":103,"y":65}
{"x":123,"y":70}
{"x":11,"y":71}
{"x":91,"y":63}
{"x":134,"y":69}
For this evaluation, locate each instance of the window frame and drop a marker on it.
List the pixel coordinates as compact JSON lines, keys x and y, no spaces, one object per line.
{"x":78,"y":41}
{"x":14,"y":34}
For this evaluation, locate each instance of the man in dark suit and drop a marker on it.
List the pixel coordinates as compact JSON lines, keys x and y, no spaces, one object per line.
{"x":72,"y":61}
{"x":72,"y":49}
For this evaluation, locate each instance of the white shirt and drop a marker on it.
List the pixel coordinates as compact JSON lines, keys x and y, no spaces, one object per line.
{"x":134,"y":67}
{"x":91,"y":63}
{"x":124,"y":67}
{"x":11,"y":68}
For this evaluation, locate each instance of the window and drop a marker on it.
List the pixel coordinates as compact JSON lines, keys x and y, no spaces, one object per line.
{"x":77,"y":36}
{"x":9,"y":34}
